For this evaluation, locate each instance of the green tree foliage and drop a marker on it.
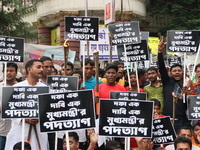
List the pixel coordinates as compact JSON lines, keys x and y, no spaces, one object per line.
{"x":185,"y":14}
{"x":11,"y":23}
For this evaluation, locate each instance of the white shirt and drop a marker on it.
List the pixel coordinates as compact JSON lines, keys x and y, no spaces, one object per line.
{"x":15,"y":134}
{"x":171,"y":147}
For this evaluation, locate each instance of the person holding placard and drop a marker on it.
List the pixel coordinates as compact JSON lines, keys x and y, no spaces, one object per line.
{"x":34,"y":73}
{"x":172,"y":86}
{"x":5,"y":125}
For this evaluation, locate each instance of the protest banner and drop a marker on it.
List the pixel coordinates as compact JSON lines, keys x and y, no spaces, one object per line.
{"x":81,"y":28}
{"x":183,"y":41}
{"x":62,"y":83}
{"x":193,"y":107}
{"x":123,"y":118}
{"x":135,"y":52}
{"x":21,"y":102}
{"x":163,"y":131}
{"x":11,"y":49}
{"x":102,"y":46}
{"x":66,"y":111}
{"x":126,"y":95}
{"x":174,"y":60}
{"x":125,"y":33}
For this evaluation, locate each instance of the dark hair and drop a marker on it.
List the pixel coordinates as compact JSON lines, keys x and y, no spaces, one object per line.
{"x":10,"y":64}
{"x":88,"y":61}
{"x":153,"y":68}
{"x":101,"y":72}
{"x":74,"y":135}
{"x":19,"y":146}
{"x":141,"y":72}
{"x":111,"y":66}
{"x":182,"y":139}
{"x":69,"y":64}
{"x":197,"y":66}
{"x":45,"y":58}
{"x":132,"y":73}
{"x":175,"y":65}
{"x":111,"y":145}
{"x":78,"y":72}
{"x":30,"y":63}
{"x":156,"y":102}
{"x":197,"y":124}
{"x":118,"y":63}
{"x":184,"y":128}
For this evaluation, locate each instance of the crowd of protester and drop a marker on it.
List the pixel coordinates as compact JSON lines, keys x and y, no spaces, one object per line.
{"x":158,"y":83}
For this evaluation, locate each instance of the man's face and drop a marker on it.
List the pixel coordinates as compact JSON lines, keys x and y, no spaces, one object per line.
{"x":198,"y":73}
{"x":152,"y":75}
{"x":185,"y":133}
{"x":120,"y":70}
{"x":72,"y":144}
{"x":133,"y":80}
{"x":111,"y":75}
{"x":47,"y":68}
{"x":11,"y":73}
{"x":68,"y":70}
{"x":183,"y":146}
{"x":176,"y":73}
{"x":36,"y":70}
{"x":80,"y":79}
{"x":88,"y":71}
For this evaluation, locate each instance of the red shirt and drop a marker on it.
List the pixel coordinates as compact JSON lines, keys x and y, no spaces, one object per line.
{"x":127,"y":89}
{"x":104,"y":92}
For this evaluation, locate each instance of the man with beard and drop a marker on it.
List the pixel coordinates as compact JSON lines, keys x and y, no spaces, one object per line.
{"x":5,"y":125}
{"x":34,"y":73}
{"x":172,"y":85}
{"x":47,"y":67}
{"x":155,"y":89}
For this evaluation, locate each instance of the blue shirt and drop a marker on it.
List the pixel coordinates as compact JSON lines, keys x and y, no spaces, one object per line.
{"x":91,"y":83}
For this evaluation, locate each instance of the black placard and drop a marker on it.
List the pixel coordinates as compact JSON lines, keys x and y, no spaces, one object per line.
{"x":82,"y":28}
{"x":134,"y":52}
{"x":125,"y":33}
{"x":66,"y":111}
{"x":11,"y":49}
{"x":125,"y":118}
{"x":62,"y":83}
{"x":21,"y":102}
{"x":163,"y":131}
{"x":122,"y":95}
{"x":194,"y":107}
{"x":183,"y":41}
{"x":174,"y":60}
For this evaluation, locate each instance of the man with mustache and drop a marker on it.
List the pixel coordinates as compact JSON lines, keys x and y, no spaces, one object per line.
{"x":173,"y":84}
{"x":34,"y":73}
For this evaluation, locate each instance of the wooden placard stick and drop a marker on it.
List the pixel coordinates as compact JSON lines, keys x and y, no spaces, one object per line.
{"x":110,"y":43}
{"x":175,"y":98}
{"x":23,"y":132}
{"x":66,"y":49}
{"x":52,"y":58}
{"x":184,"y":75}
{"x":96,"y":60}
